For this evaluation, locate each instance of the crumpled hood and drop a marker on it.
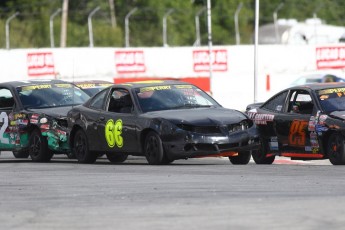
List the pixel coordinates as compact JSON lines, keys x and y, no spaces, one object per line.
{"x":57,"y":112}
{"x":338,"y":114}
{"x":200,"y":116}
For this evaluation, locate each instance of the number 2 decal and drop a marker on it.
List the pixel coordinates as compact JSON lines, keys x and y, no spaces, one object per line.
{"x":297,"y":133}
{"x":4,"y":119}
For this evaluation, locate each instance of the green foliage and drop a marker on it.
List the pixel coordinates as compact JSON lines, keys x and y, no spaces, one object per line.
{"x":31,"y":27}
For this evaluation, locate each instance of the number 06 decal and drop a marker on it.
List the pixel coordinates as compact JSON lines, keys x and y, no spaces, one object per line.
{"x":113,"y":133}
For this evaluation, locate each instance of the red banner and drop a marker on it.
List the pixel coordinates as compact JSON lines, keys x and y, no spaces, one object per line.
{"x":330,"y":57}
{"x":130,"y":61}
{"x":40,"y":64}
{"x":202,"y":63}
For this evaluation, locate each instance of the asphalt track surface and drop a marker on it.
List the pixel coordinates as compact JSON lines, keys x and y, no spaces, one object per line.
{"x":190,"y":194}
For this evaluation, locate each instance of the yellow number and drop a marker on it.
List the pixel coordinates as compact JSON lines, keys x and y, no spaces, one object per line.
{"x":113,"y":133}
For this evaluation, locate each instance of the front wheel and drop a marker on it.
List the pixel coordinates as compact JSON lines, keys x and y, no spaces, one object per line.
{"x":242,"y":158}
{"x":81,"y":148}
{"x":116,"y":157}
{"x":259,"y":156}
{"x":335,"y":149}
{"x":153,"y":149}
{"x":38,"y":147}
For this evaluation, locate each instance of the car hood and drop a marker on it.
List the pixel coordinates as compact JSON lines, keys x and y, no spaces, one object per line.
{"x":200,"y":116}
{"x":57,"y":112}
{"x":338,"y":114}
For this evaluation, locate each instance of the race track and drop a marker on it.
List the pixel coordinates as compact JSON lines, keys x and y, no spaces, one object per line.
{"x":195,"y":194}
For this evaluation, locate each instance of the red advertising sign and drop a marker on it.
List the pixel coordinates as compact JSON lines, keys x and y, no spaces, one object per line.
{"x":219,"y":60}
{"x":330,"y":57}
{"x":130,"y":61}
{"x":40,"y":64}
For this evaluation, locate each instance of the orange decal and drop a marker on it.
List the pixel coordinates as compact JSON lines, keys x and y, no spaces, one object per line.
{"x":297,"y":133}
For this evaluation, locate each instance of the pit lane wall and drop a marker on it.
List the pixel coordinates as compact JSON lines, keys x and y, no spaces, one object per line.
{"x":231,"y":83}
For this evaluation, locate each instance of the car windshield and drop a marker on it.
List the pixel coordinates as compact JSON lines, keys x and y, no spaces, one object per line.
{"x":51,"y":95}
{"x":332,"y":99}
{"x":155,"y":98}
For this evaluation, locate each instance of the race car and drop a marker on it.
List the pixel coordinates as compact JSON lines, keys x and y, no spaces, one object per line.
{"x":302,"y":122}
{"x":33,"y":117}
{"x":91,"y":87}
{"x":161,"y":120}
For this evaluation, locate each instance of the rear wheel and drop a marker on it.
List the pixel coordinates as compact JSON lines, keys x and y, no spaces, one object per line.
{"x":259,"y":156}
{"x":242,"y":158}
{"x":81,"y":148}
{"x":336,"y":149}
{"x":116,"y":157}
{"x":153,"y":149}
{"x":38,"y":147}
{"x":21,"y":153}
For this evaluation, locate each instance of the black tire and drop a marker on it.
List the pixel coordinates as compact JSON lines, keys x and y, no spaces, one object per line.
{"x":38,"y":147}
{"x":21,"y":154}
{"x":242,"y":158}
{"x":335,"y":149}
{"x":81,"y":148}
{"x":117,"y":157}
{"x":71,"y":155}
{"x":153,"y":149}
{"x":259,"y":156}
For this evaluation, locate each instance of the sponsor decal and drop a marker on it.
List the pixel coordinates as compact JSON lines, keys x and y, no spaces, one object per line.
{"x":273,"y":144}
{"x":40,"y":64}
{"x":330,"y":91}
{"x":132,"y":61}
{"x":45,"y":126}
{"x":33,"y":121}
{"x":153,"y":88}
{"x":113,"y":132}
{"x":35,"y":116}
{"x":330,"y":57}
{"x":260,"y":119}
{"x":202,"y":62}
{"x":322,"y":119}
{"x":307,"y":148}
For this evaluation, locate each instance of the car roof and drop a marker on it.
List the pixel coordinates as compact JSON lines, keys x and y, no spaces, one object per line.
{"x":140,"y":84}
{"x":32,"y":82}
{"x":318,"y":86}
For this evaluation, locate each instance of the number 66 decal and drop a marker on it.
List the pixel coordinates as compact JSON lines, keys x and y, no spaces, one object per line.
{"x":113,"y":131}
{"x":4,"y":120}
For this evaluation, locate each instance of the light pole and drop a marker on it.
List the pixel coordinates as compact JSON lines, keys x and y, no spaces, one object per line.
{"x":275,"y":18}
{"x":239,"y":7}
{"x":127,"y":25}
{"x":197,"y":26}
{"x":89,"y":21}
{"x":165,"y":39}
{"x":51,"y":26}
{"x":7,"y":28}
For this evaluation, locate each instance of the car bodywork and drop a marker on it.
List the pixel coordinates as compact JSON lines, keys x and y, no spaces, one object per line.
{"x":303,"y":122}
{"x":177,"y":118}
{"x":36,"y":109}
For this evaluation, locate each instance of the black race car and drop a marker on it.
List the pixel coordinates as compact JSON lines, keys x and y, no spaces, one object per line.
{"x":33,"y":117}
{"x":91,"y":87}
{"x":303,"y":122}
{"x":161,"y":120}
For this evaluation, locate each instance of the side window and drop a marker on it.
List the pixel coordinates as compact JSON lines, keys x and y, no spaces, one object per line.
{"x":120,"y":101}
{"x":301,"y":102}
{"x":6,"y":99}
{"x":276,"y":104}
{"x":97,"y":102}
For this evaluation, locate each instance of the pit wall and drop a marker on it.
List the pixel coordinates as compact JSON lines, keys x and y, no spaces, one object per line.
{"x":231,"y":82}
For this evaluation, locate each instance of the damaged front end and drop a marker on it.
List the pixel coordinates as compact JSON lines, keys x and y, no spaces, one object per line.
{"x":188,"y":141}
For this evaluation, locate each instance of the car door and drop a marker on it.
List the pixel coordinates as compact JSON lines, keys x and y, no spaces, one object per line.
{"x":9,"y":133}
{"x":292,"y":125}
{"x":117,"y":124}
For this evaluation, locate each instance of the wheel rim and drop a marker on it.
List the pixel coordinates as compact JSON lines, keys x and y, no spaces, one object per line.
{"x":335,"y":147}
{"x":80,"y":146}
{"x":152,"y":147}
{"x":35,"y":146}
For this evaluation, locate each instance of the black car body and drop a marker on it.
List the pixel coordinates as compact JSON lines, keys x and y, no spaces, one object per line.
{"x":92,"y":87}
{"x":303,"y":122}
{"x":33,"y":117}
{"x":162,"y":120}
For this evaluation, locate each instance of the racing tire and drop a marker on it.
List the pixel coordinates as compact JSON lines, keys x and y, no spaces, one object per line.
{"x":336,"y":149}
{"x":81,"y":148}
{"x":116,"y":157}
{"x":38,"y":147}
{"x":153,"y":149}
{"x":259,"y":156}
{"x":21,"y":154}
{"x":242,"y":158}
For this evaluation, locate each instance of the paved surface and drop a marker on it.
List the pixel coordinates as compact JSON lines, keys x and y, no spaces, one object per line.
{"x":194,"y":194}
